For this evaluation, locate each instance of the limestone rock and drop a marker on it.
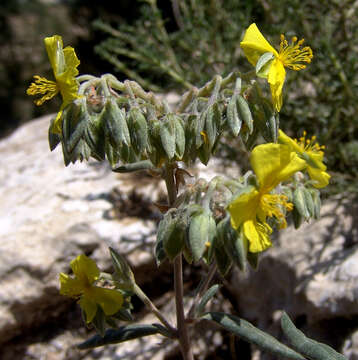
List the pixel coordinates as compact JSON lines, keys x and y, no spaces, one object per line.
{"x":49,"y":214}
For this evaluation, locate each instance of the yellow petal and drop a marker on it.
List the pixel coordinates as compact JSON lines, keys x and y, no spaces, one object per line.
{"x":89,"y":306}
{"x":321,"y":178}
{"x":276,"y":79}
{"x":243,"y":208}
{"x":71,"y":60}
{"x":85,"y":269}
{"x":315,"y":159}
{"x":258,"y":235}
{"x":110,"y":300}
{"x":285,"y":139}
{"x":274,"y":163}
{"x":54,"y":48}
{"x":254,"y":44}
{"x":69,"y":286}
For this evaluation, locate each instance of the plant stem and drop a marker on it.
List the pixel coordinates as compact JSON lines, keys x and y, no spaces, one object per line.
{"x":183,"y":335}
{"x":139,"y":292}
{"x":181,"y":324}
{"x":202,"y":288}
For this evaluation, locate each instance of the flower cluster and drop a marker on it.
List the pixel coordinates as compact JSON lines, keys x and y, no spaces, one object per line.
{"x":272,"y":165}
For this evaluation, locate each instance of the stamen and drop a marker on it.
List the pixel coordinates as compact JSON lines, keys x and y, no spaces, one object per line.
{"x":42,"y":86}
{"x":292,"y":55}
{"x":274,"y":205}
{"x":309,"y":145}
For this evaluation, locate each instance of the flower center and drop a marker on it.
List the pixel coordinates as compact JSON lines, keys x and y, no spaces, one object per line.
{"x":292,"y":55}
{"x":274,"y":205}
{"x":309,"y":145}
{"x":44,"y":87}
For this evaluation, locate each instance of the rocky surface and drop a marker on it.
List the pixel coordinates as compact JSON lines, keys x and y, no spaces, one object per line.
{"x":49,"y":214}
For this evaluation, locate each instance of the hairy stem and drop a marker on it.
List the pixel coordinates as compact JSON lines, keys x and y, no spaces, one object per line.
{"x":183,"y":335}
{"x":181,"y":324}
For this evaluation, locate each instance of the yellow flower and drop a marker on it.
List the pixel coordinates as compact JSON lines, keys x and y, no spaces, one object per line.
{"x":272,"y":164}
{"x":312,"y":153}
{"x":290,"y":55}
{"x":86,"y":273}
{"x":64,"y":64}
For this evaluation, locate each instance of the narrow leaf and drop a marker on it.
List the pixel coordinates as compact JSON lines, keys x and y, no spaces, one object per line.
{"x":115,"y":336}
{"x":253,"y":335}
{"x":205,"y":299}
{"x":312,"y":349}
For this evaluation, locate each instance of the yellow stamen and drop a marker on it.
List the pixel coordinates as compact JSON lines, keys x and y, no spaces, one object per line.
{"x":42,"y":86}
{"x":292,"y":55}
{"x":274,"y":205}
{"x":308,"y":145}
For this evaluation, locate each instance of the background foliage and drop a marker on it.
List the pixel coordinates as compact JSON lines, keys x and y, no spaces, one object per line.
{"x":195,"y":39}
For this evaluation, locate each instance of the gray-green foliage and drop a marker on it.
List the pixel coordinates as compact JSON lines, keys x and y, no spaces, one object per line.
{"x":205,"y":41}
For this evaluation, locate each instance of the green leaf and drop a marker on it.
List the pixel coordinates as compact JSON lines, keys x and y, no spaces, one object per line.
{"x":232,"y":116}
{"x":94,"y":137}
{"x":311,"y":349}
{"x":244,"y":112}
{"x":115,"y":336}
{"x":316,"y":202}
{"x":201,"y":231}
{"x":252,"y":334}
{"x":121,"y":267}
{"x":53,"y":138}
{"x":309,"y":202}
{"x":222,"y":259}
{"x":199,"y":310}
{"x":123,"y":314}
{"x":212,"y":123}
{"x":179,"y":137}
{"x":299,"y":201}
{"x":297,"y":218}
{"x":136,"y":166}
{"x":167,"y":135}
{"x":159,"y":252}
{"x":99,"y":321}
{"x":138,"y":129}
{"x":263,"y":64}
{"x":115,"y":124}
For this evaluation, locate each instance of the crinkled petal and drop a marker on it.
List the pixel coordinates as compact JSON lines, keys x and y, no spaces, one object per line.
{"x":276,"y":79}
{"x":258,"y":235}
{"x":243,"y":208}
{"x":321,"y":178}
{"x":274,"y":163}
{"x":85,"y":269}
{"x":69,"y":286}
{"x":89,"y":306}
{"x":71,"y":60}
{"x":110,"y":300}
{"x":54,"y":48}
{"x":254,"y":44}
